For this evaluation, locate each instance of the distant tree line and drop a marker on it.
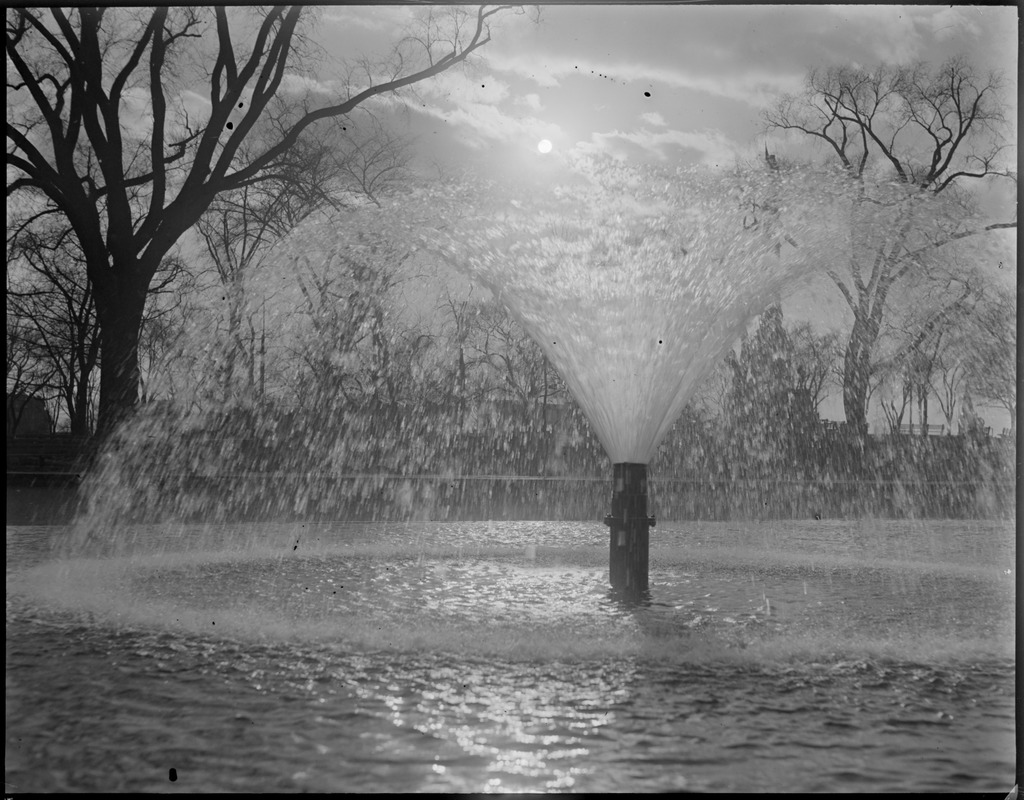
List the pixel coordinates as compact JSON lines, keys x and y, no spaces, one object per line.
{"x":517,"y":445}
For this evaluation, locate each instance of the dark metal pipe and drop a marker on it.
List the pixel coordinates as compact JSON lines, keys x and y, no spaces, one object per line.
{"x":629,"y":532}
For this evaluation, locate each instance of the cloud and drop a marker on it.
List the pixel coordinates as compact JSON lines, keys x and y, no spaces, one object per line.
{"x":136,"y":112}
{"x":194,"y":102}
{"x":904,"y":34}
{"x":474,"y":105}
{"x":715,"y":148}
{"x":301,"y":84}
{"x":653,"y":118}
{"x":460,"y":89}
{"x":482,"y":124}
{"x":890,"y":33}
{"x":752,"y":87}
{"x":531,"y":101}
{"x":378,"y":18}
{"x":948,"y":22}
{"x":525,"y":65}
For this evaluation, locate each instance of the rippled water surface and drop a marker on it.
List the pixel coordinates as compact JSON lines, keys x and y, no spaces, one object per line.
{"x":801,"y":656}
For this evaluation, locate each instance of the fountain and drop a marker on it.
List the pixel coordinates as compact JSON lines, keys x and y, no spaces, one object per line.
{"x":203,"y":653}
{"x":634,"y":283}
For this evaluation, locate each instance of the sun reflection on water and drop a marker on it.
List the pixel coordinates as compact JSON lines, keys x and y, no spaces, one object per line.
{"x":527,"y":734}
{"x":473,"y":668}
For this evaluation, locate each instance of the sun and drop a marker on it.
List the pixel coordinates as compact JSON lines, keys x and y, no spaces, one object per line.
{"x":544,"y":145}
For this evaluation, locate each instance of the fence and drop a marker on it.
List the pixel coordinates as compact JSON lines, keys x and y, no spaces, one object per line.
{"x":368,"y":497}
{"x":932,"y":430}
{"x":53,"y":458}
{"x":236,"y":474}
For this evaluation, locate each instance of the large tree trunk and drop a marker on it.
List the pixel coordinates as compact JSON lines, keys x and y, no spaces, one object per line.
{"x":922,"y":406}
{"x":856,"y":375}
{"x":867,"y":322}
{"x":120,"y":311}
{"x":79,"y":415}
{"x":88,"y":358}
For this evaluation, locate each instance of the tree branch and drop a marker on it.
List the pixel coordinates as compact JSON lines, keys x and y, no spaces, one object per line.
{"x":159,"y":104}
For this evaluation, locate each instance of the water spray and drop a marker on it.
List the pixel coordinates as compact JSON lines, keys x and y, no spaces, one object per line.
{"x":634,"y":284}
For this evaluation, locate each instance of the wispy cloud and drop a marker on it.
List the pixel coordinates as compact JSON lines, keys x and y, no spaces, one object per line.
{"x":478,"y":107}
{"x":531,"y":101}
{"x":541,"y":71}
{"x":377,"y":18}
{"x":653,"y":118}
{"x":751,"y":87}
{"x":481,"y":125}
{"x":948,"y":22}
{"x":892,"y":33}
{"x":903,"y":34}
{"x":301,"y":84}
{"x":713,"y":146}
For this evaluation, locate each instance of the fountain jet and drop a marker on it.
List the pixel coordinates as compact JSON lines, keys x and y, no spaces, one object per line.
{"x":634,"y":283}
{"x":629,"y":532}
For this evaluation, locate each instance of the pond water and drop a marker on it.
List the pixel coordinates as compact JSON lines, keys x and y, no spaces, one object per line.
{"x":784,"y":656}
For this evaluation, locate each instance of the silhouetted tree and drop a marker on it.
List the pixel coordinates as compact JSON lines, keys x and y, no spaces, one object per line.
{"x":55,"y":300}
{"x":29,"y":377}
{"x":131,"y":184}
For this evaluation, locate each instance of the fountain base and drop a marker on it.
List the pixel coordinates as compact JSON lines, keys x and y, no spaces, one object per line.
{"x":629,"y":532}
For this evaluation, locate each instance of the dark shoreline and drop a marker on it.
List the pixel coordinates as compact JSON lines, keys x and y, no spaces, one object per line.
{"x":41,"y":500}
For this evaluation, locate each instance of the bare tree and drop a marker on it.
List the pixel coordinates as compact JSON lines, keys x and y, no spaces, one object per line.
{"x":952,"y":373}
{"x":907,"y":138}
{"x":130,"y":188}
{"x":28,"y":376}
{"x":459,"y":318}
{"x":241,"y":227}
{"x":814,"y":356}
{"x":55,"y":301}
{"x":346,"y":292}
{"x":926,"y":330}
{"x":894,"y":392}
{"x":712,"y":393}
{"x":373,"y":158}
{"x":520,"y":373}
{"x":992,"y":350}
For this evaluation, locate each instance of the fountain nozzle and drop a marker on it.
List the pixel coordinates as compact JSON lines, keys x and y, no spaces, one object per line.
{"x":629,"y":531}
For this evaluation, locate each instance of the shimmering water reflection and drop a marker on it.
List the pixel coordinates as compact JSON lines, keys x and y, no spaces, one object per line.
{"x":451,"y":658}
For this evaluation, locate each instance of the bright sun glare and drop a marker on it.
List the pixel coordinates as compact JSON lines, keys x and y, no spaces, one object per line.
{"x":544,"y":146}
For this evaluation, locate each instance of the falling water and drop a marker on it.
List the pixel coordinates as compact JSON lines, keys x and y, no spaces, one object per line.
{"x":635,"y":285}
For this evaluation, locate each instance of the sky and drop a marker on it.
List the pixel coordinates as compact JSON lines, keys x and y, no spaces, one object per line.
{"x":680,"y":84}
